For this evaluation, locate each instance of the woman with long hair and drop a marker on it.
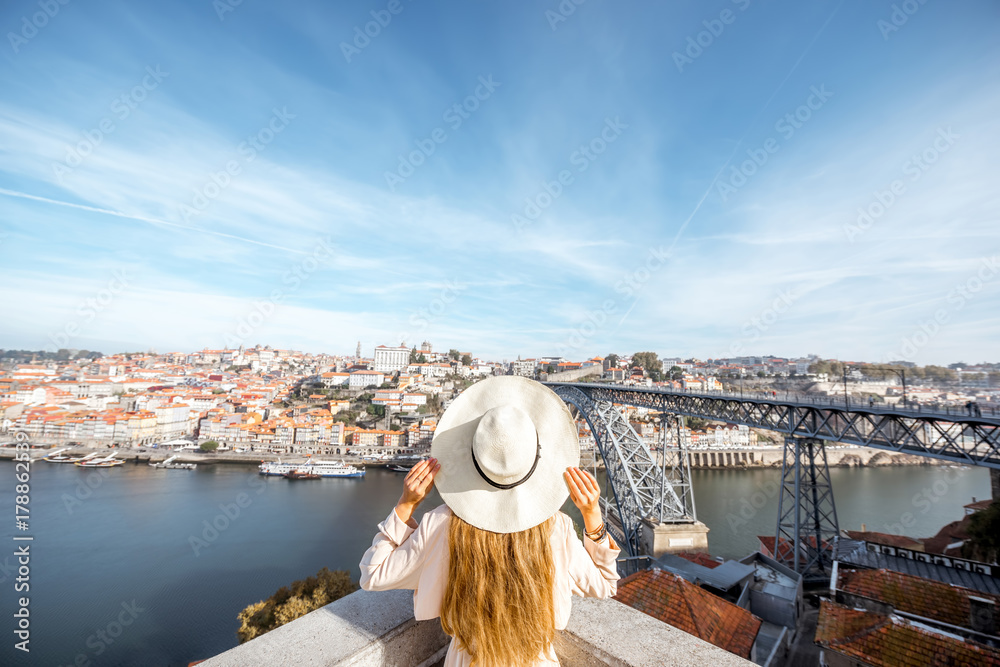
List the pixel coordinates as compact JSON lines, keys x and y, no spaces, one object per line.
{"x":498,"y":561}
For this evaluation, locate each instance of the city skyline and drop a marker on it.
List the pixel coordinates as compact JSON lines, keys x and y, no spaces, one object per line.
{"x":368,"y":354}
{"x":717,"y":181}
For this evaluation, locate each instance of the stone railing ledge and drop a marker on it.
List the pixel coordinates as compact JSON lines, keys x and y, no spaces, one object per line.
{"x":367,"y":628}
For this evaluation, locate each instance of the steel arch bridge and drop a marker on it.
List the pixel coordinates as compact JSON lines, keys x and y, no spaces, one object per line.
{"x":642,"y":486}
{"x":644,"y":489}
{"x":960,"y":439}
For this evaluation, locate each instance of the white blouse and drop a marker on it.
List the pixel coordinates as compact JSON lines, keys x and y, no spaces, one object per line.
{"x":416,"y":557}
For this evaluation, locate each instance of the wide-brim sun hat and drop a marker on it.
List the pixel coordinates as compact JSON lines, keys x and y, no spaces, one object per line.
{"x":503,"y":446}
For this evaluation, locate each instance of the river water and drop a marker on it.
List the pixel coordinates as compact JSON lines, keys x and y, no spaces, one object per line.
{"x":174,"y":555}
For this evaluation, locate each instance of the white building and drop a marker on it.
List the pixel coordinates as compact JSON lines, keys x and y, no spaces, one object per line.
{"x":523,"y":367}
{"x":362,"y":379}
{"x":391,"y":359}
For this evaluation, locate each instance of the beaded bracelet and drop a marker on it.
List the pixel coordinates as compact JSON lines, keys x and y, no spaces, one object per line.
{"x":598,"y":534}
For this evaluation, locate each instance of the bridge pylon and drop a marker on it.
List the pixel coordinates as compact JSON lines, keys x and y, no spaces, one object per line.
{"x":653,"y":509}
{"x":807,"y":514}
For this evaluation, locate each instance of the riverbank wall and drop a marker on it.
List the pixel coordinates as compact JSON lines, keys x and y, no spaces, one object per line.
{"x":845,"y":456}
{"x":750,"y":457}
{"x":158,"y":455}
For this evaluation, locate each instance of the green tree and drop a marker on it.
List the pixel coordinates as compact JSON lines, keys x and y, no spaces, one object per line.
{"x":984,"y":535}
{"x":346,"y":416}
{"x":940,"y":374}
{"x":209,"y":446}
{"x":830,"y":367}
{"x":612,"y":360}
{"x":421,"y":359}
{"x":377,"y":410}
{"x":454,"y":354}
{"x":676,"y":372}
{"x":647,"y":361}
{"x":466,"y":360}
{"x":413,"y":355}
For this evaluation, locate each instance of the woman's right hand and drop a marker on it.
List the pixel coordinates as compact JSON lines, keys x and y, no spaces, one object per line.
{"x":416,"y":486}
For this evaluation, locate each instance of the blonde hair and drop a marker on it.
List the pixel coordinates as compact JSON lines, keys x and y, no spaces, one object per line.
{"x":498,"y":603}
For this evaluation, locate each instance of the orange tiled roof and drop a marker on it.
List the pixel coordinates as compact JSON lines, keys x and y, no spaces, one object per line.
{"x":979,"y":505}
{"x":889,"y":539}
{"x":884,"y":641}
{"x":956,"y":531}
{"x":701,"y":559}
{"x":914,"y":595}
{"x":673,"y":600}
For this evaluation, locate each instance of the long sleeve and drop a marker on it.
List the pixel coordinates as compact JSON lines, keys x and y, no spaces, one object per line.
{"x":592,"y":568}
{"x":394,"y":558}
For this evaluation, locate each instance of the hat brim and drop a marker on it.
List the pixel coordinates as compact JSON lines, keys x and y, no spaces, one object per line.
{"x":470,"y":496}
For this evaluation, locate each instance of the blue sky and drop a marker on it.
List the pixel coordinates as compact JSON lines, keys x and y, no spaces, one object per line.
{"x":678,"y":177}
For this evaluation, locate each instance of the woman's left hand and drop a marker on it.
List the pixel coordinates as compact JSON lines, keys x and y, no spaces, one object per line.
{"x":586,"y":495}
{"x":416,"y":486}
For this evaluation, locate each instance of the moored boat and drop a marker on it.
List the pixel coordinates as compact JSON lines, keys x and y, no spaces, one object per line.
{"x":301,"y":474}
{"x":169,"y":464}
{"x":321,"y":468}
{"x":108,"y":462}
{"x":66,"y":458}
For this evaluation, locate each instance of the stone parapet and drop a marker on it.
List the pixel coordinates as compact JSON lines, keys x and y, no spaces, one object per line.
{"x":367,"y":628}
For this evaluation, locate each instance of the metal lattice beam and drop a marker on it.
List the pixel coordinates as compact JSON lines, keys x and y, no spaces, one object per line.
{"x":807,"y":514}
{"x":637,"y":480}
{"x":965,"y":440}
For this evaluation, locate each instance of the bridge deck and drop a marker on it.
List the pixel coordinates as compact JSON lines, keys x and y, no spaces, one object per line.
{"x":944,"y":432}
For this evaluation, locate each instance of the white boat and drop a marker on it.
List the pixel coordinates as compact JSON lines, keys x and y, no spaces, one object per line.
{"x":169,"y":463}
{"x":66,"y":458}
{"x":321,"y":468}
{"x":108,"y":462}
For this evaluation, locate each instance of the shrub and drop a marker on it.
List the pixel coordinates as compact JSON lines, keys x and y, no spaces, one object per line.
{"x":290,"y":602}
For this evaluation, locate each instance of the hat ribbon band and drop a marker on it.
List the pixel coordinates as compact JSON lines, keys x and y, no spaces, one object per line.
{"x":503,"y":487}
